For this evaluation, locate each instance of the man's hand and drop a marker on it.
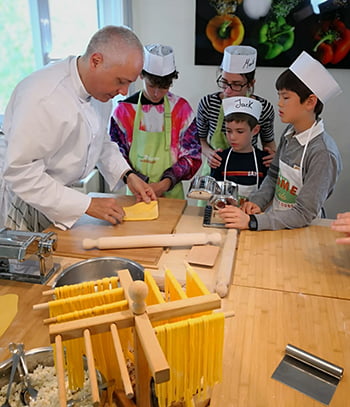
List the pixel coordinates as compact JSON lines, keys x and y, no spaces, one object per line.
{"x":234,"y":217}
{"x":106,"y":209}
{"x":141,"y":190}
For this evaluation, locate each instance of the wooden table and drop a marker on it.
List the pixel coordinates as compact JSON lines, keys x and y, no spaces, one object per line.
{"x":305,"y":260}
{"x":289,"y":287}
{"x":265,"y":322}
{"x":27,"y":326}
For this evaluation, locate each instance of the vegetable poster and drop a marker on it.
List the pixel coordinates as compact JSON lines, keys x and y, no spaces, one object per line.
{"x":278,"y":29}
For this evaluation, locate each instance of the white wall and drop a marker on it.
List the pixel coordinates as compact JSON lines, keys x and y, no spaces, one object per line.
{"x":172,"y":22}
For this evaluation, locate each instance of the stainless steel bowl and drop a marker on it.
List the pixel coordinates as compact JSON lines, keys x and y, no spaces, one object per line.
{"x":34,"y":357}
{"x":96,"y":269}
{"x":43,"y":356}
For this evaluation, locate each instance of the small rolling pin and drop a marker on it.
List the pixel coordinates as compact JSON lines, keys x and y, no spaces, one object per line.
{"x":163,"y":240}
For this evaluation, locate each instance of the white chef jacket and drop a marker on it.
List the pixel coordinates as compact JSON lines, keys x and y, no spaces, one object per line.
{"x":56,"y":135}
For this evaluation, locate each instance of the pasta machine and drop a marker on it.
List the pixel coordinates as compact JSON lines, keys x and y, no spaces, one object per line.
{"x":217,"y":193}
{"x":27,"y":256}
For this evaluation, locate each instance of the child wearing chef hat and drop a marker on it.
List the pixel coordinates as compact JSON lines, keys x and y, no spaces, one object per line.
{"x":156,"y":129}
{"x":241,"y":163}
{"x":306,"y":166}
{"x":236,"y":78}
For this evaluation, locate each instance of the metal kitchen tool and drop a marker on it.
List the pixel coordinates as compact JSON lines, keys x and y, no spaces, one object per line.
{"x":28,"y":392}
{"x":27,"y":256}
{"x":217,"y":193}
{"x":308,"y":374}
{"x":15,"y":361}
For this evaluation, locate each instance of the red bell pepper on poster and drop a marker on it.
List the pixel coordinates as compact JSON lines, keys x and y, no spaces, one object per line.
{"x":333,"y":41}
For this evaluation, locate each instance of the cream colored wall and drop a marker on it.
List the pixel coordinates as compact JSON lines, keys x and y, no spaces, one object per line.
{"x":172,"y":22}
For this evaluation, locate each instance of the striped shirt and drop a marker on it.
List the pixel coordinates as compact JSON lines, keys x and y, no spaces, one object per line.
{"x":208,"y":114}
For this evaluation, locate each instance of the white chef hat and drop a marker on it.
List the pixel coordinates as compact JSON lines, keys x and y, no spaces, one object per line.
{"x":241,"y":104}
{"x":315,"y":76}
{"x":239,"y":59}
{"x":159,"y":60}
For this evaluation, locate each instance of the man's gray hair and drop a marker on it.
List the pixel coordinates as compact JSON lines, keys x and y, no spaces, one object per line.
{"x":110,"y":39}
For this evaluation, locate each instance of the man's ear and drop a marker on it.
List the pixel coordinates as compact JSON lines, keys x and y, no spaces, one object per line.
{"x":96,"y":59}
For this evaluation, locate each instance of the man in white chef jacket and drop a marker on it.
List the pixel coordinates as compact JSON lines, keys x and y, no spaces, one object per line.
{"x":56,"y":130}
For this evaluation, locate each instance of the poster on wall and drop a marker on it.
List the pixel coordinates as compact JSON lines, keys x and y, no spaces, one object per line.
{"x":278,"y":29}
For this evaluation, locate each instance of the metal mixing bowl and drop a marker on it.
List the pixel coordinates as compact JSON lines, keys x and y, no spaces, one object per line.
{"x":96,"y":269}
{"x":34,"y":357}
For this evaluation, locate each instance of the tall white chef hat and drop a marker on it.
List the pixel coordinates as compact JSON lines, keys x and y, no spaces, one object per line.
{"x":315,"y":76}
{"x":241,"y":104}
{"x":159,"y":60}
{"x":239,"y":59}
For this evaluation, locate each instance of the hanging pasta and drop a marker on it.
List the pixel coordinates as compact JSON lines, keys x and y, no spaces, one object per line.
{"x":100,"y":297}
{"x":193,"y":349}
{"x":86,"y":287}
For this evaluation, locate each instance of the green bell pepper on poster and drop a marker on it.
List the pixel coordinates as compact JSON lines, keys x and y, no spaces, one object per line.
{"x":275,"y":37}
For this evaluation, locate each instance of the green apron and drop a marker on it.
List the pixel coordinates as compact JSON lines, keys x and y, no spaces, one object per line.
{"x":150,"y":151}
{"x":218,"y":140}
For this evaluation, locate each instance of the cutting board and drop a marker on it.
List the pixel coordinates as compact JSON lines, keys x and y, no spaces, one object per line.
{"x":27,"y":326}
{"x":69,"y":242}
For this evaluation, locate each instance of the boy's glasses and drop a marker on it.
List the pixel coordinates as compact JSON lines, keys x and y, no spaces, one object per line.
{"x":235,"y":86}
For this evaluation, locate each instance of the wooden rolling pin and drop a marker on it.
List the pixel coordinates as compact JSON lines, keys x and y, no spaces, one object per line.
{"x":163,"y":240}
{"x":224,"y":273}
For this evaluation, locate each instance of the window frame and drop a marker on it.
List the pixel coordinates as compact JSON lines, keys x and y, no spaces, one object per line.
{"x":109,"y":12}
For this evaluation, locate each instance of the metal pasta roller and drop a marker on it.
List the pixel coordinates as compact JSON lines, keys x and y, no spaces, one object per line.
{"x":27,"y":256}
{"x":217,"y":193}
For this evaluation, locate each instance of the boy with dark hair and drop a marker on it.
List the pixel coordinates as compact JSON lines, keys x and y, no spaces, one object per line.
{"x":241,"y":163}
{"x":307,"y":164}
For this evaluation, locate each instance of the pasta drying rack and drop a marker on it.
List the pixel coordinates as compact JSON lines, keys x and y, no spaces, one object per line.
{"x":149,"y":358}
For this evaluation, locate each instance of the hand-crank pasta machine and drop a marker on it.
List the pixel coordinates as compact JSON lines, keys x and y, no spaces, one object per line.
{"x":27,"y":256}
{"x":217,"y":193}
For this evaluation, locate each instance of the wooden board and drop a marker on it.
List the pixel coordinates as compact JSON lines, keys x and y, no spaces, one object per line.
{"x":305,"y":260}
{"x":265,"y":322}
{"x":27,"y":326}
{"x":203,"y":255}
{"x":70,"y":241}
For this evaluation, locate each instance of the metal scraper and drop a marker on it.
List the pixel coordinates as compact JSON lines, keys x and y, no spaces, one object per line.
{"x":308,"y":374}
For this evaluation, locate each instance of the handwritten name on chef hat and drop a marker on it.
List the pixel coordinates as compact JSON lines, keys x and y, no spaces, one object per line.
{"x":239,"y":59}
{"x":315,"y":76}
{"x":159,"y":60}
{"x":241,"y":104}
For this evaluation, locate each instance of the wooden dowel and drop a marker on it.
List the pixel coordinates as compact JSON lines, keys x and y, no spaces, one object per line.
{"x":91,"y":368}
{"x":39,"y":307}
{"x":49,"y":321}
{"x":49,"y":292}
{"x":121,"y":362}
{"x":60,"y":371}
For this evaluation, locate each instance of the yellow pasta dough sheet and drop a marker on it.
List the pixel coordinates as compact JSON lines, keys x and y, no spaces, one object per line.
{"x":141,"y":211}
{"x":8,"y":307}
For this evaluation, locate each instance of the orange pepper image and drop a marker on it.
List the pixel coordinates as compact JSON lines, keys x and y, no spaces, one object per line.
{"x":224,"y":30}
